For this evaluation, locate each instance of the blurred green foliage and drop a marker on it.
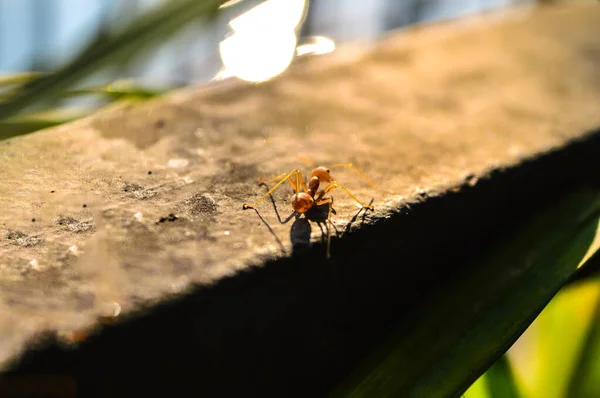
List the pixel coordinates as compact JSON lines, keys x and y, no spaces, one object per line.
{"x":454,"y":337}
{"x":23,"y":96}
{"x":559,"y":354}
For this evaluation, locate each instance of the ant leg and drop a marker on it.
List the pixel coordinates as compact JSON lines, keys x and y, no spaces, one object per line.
{"x":322,"y":202}
{"x":295,"y":186}
{"x":307,"y":160}
{"x":362,"y":174}
{"x":334,"y":184}
{"x":300,"y":181}
{"x":279,"y":177}
{"x":284,"y":179}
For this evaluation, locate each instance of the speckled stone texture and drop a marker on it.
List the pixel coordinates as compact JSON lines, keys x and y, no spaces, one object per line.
{"x":135,"y":203}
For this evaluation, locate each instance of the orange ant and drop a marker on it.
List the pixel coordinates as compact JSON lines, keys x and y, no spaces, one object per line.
{"x":307,"y":197}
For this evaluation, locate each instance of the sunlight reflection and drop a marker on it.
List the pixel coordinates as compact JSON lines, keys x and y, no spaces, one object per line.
{"x":594,"y":246}
{"x":230,"y":3}
{"x":264,"y":40}
{"x":316,"y":45}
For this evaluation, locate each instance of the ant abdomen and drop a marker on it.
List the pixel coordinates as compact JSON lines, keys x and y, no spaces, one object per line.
{"x":302,"y":201}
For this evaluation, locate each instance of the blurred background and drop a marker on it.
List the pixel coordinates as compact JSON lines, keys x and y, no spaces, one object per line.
{"x":62,"y":59}
{"x":41,"y":35}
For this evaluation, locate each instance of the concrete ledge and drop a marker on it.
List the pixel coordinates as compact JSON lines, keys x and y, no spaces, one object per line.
{"x":461,"y":127}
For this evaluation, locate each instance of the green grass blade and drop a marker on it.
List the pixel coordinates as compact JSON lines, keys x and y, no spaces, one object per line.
{"x":479,"y":389}
{"x":500,"y":380}
{"x":590,"y":271}
{"x":118,"y":90}
{"x":36,"y":121}
{"x":154,"y":26}
{"x":546,"y":355}
{"x":586,"y":379}
{"x":31,"y":122}
{"x":561,"y":338}
{"x":497,"y":382}
{"x":454,"y":337}
{"x":18,"y":78}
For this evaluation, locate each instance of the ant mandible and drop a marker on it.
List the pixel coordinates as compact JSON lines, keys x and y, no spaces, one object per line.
{"x":307,"y":197}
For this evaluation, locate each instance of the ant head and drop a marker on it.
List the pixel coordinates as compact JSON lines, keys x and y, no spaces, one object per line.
{"x":322,"y":173}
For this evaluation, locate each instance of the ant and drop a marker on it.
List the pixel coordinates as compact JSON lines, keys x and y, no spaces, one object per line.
{"x":307,"y":197}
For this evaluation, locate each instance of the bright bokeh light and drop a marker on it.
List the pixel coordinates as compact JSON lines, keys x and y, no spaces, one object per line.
{"x":274,"y":14}
{"x":258,"y":57}
{"x":317,"y":45}
{"x":264,"y":40}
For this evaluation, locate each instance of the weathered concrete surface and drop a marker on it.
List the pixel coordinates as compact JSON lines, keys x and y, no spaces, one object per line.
{"x":422,"y":111}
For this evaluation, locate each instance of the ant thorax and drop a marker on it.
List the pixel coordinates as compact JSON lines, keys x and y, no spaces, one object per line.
{"x":313,"y":186}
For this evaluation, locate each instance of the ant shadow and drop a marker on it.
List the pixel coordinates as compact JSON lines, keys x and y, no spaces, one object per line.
{"x":301,"y":229}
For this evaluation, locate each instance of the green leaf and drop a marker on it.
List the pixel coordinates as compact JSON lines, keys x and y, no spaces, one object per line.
{"x":118,"y":90}
{"x":454,"y":337}
{"x":590,"y":270}
{"x":156,"y":25}
{"x":586,"y":379}
{"x":36,"y":121}
{"x":18,"y":78}
{"x":500,"y":380}
{"x":546,"y":355}
{"x":479,"y":389}
{"x":497,"y":382}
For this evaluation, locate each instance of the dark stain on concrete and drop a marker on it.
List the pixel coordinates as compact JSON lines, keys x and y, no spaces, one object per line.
{"x":21,"y":239}
{"x":75,"y":225}
{"x":202,"y":203}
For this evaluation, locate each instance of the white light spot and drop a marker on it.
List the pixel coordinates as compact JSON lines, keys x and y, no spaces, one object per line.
{"x":114,"y":309}
{"x":515,"y":150}
{"x":274,"y":14}
{"x":110,"y":309}
{"x":138,"y":216}
{"x":179,"y":285}
{"x":264,"y":40}
{"x":230,"y":3}
{"x":223,"y":74}
{"x":273,"y":250}
{"x":34,"y":264}
{"x":74,"y":250}
{"x":318,"y":45}
{"x":250,"y":57}
{"x":117,"y":309}
{"x":226,"y":233}
{"x":178,"y":163}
